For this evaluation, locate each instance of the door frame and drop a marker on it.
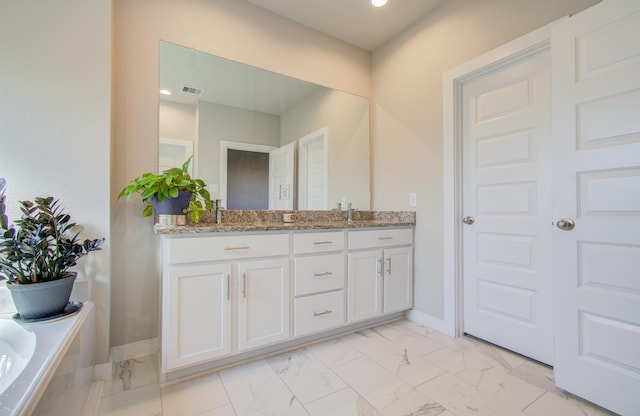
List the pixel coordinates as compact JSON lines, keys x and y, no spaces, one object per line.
{"x":225,"y":145}
{"x":453,"y":79}
{"x":303,"y":189}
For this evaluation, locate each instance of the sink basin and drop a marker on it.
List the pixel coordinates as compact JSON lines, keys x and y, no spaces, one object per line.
{"x":17,"y":345}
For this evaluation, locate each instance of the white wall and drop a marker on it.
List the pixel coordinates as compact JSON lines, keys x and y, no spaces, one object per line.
{"x":407,"y":84}
{"x":55,"y":86}
{"x":346,"y":117}
{"x":229,"y":28}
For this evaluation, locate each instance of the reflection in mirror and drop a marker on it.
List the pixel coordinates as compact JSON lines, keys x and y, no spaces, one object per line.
{"x":315,"y":139}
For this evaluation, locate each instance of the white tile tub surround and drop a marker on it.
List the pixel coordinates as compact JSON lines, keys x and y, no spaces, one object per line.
{"x":58,"y":377}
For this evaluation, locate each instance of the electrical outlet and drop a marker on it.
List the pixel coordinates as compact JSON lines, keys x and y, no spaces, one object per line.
{"x":413,"y":199}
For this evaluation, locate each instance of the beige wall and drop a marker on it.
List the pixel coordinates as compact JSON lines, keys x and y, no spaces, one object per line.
{"x":218,"y":122}
{"x":407,"y":85}
{"x":229,"y":28}
{"x":55,"y":78}
{"x":177,"y":121}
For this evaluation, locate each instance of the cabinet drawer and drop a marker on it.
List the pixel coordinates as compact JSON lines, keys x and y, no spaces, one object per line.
{"x":318,"y":312}
{"x":318,"y":242}
{"x":380,"y":238}
{"x":191,"y":250}
{"x":318,"y":273}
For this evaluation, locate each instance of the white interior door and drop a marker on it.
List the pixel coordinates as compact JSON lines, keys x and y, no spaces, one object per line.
{"x":506,"y":200}
{"x":596,"y":120}
{"x":313,"y":171}
{"x":282,"y":170}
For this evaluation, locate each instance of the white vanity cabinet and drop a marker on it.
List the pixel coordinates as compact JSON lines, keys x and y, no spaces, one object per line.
{"x":232,"y":296}
{"x":198,"y":314}
{"x":222,"y":295}
{"x":263,"y":302}
{"x":380,"y":276}
{"x":319,"y":276}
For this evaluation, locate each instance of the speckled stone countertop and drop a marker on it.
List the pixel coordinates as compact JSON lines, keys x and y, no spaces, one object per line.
{"x":263,"y":220}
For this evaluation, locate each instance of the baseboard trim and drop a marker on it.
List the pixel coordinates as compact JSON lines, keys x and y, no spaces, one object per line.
{"x":430,"y":321}
{"x":134,"y":350}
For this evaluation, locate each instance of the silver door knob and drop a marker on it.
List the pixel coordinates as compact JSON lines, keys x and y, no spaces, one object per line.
{"x":565,"y":224}
{"x":468,"y":220}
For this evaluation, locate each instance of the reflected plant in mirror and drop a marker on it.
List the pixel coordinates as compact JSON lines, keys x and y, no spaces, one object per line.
{"x":262,"y":140}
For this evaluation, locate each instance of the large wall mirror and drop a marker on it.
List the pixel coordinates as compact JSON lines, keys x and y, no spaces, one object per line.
{"x":262,"y":140}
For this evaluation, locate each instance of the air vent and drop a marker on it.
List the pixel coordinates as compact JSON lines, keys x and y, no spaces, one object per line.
{"x":192,"y":90}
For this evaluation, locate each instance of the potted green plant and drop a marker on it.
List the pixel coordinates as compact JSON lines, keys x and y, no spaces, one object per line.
{"x":171,"y":192}
{"x":37,"y":252}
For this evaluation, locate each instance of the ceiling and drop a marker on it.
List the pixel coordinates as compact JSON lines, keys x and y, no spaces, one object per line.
{"x":227,"y":82}
{"x":353,"y":21}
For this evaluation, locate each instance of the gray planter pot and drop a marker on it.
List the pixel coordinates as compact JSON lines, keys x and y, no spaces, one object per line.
{"x":172,"y":206}
{"x":41,"y":300}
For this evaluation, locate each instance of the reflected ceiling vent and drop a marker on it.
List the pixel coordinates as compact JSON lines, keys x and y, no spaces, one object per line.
{"x":192,"y":90}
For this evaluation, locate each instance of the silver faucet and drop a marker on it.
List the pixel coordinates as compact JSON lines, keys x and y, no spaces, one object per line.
{"x":350,"y":212}
{"x":219,"y":209}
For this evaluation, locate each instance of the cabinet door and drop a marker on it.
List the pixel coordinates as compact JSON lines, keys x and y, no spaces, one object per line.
{"x":398,"y":272}
{"x":365,"y":285}
{"x":263,"y":302}
{"x":199,"y":320}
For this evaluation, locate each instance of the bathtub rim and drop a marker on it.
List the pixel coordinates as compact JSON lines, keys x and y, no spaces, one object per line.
{"x":57,"y":336}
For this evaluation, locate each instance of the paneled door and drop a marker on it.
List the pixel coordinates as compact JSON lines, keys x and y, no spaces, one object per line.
{"x":282,"y":171}
{"x":596,"y":121}
{"x":263,"y":302}
{"x":507,"y":207}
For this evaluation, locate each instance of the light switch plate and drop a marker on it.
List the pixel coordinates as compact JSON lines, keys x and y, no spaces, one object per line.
{"x":413,"y":199}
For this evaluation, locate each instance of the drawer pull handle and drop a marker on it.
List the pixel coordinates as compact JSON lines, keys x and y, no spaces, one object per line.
{"x":385,"y":238}
{"x":326,"y":312}
{"x":322,"y":274}
{"x":322,"y":242}
{"x":237,"y":248}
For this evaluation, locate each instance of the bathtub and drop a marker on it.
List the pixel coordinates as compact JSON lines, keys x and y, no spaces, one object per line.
{"x":45,"y":366}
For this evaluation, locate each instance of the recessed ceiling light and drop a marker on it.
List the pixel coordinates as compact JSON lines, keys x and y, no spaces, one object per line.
{"x":165,"y":92}
{"x":378,"y":3}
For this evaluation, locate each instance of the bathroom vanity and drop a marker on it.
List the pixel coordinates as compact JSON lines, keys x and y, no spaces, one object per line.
{"x":255,"y":285}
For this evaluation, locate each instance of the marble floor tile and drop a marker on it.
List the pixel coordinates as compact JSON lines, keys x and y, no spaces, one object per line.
{"x":552,"y":404}
{"x":384,"y":390}
{"x":306,"y":376}
{"x":397,"y":369}
{"x":131,"y":374}
{"x":336,"y":351}
{"x":455,"y":361}
{"x":462,"y":399}
{"x":244,"y":369}
{"x":143,"y":401}
{"x":409,"y":340}
{"x":193,"y":396}
{"x":413,"y":327}
{"x":500,"y":384}
{"x":409,"y":367}
{"x":538,"y":375}
{"x":500,"y":357}
{"x":262,"y":393}
{"x":345,"y":402}
{"x":226,"y":410}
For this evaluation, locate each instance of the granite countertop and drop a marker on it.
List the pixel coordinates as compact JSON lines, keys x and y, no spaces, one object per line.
{"x":250,"y":220}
